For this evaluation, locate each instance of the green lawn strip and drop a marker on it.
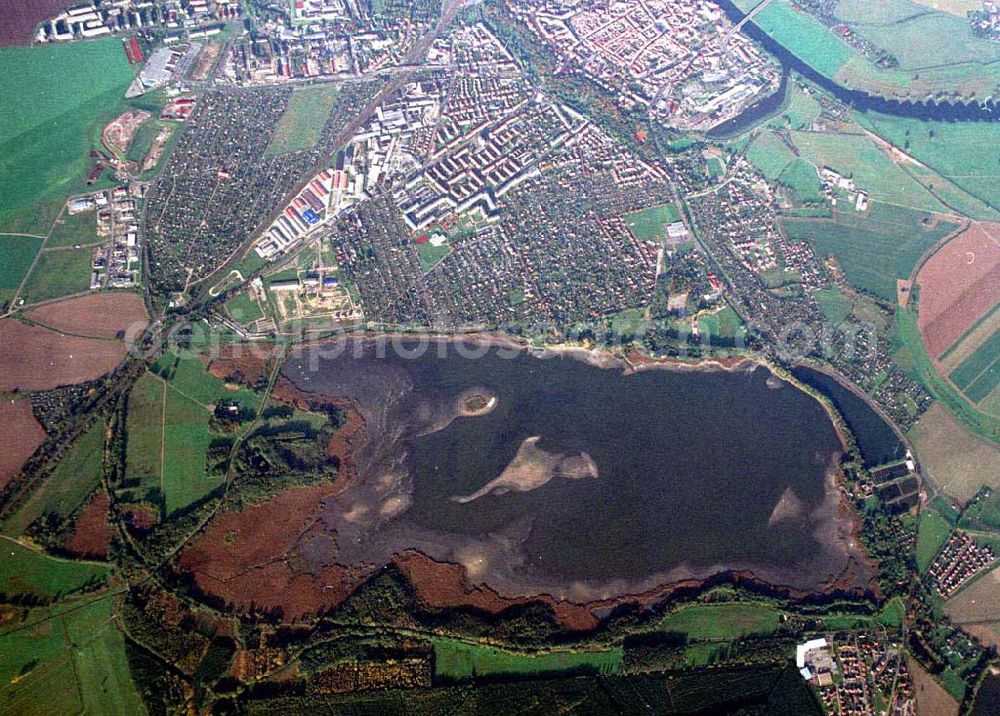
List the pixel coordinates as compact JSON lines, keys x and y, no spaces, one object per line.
{"x":931,"y":536}
{"x":723,"y":622}
{"x":802,"y":35}
{"x":186,"y":439}
{"x":650,"y":224}
{"x":74,"y":478}
{"x":912,"y":357}
{"x":459,"y":661}
{"x":59,"y":272}
{"x":302,"y":123}
{"x":834,"y":305}
{"x":25,"y":572}
{"x":144,"y":428}
{"x":73,"y":229}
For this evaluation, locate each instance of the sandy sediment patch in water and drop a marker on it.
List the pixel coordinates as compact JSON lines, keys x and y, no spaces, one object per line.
{"x":533,"y":467}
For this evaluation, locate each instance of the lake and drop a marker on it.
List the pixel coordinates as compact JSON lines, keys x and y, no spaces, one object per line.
{"x":555,"y":475}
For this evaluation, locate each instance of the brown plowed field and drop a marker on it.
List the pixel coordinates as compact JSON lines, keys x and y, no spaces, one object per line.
{"x":91,"y":533}
{"x":958,"y":284}
{"x":18,"y":18}
{"x":22,"y":435}
{"x":39,"y":359}
{"x":263,"y":559}
{"x":101,"y":315}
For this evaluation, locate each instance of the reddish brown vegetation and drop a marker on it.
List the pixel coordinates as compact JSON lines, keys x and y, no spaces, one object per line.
{"x":255,"y":560}
{"x":39,"y":359}
{"x":101,"y":315}
{"x":445,"y":585}
{"x":18,"y":18}
{"x":91,"y":532}
{"x":22,"y":436}
{"x":240,"y":364}
{"x":955,"y":292}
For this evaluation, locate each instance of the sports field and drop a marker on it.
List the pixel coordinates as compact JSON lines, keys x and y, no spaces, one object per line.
{"x":458,"y":661}
{"x":54,"y":97}
{"x":650,"y":224}
{"x":74,"y":478}
{"x":302,"y":123}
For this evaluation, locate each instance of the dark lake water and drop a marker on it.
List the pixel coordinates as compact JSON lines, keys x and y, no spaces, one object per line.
{"x":877,"y":441}
{"x":628,"y":481}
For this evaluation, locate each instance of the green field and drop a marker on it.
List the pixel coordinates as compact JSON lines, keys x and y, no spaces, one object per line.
{"x":55,"y":98}
{"x":243,"y":309}
{"x":141,"y":142}
{"x":16,"y":255}
{"x":302,"y":123}
{"x":74,"y":478}
{"x":952,"y":149}
{"x":457,"y":661}
{"x":67,"y":658}
{"x":911,"y":356}
{"x":189,"y":375}
{"x":24,"y":571}
{"x":59,"y":272}
{"x":73,"y":229}
{"x":803,"y":108}
{"x":723,"y":622}
{"x":650,"y":224}
{"x":857,"y":157}
{"x":430,"y":255}
{"x":803,"y":35}
{"x":979,"y":374}
{"x":800,"y":176}
{"x":933,"y":533}
{"x":145,"y":432}
{"x":834,"y":305}
{"x":917,"y":36}
{"x":725,"y":323}
{"x":769,"y":154}
{"x":871,"y":258}
{"x":186,"y":438}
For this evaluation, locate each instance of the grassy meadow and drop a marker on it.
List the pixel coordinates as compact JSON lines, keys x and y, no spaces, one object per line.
{"x":302,"y":123}
{"x":458,"y":661}
{"x":56,"y":98}
{"x":650,"y":224}
{"x":931,"y":536}
{"x":16,"y":255}
{"x":59,"y":272}
{"x":722,"y":622}
{"x":72,"y":481}
{"x":25,"y":572}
